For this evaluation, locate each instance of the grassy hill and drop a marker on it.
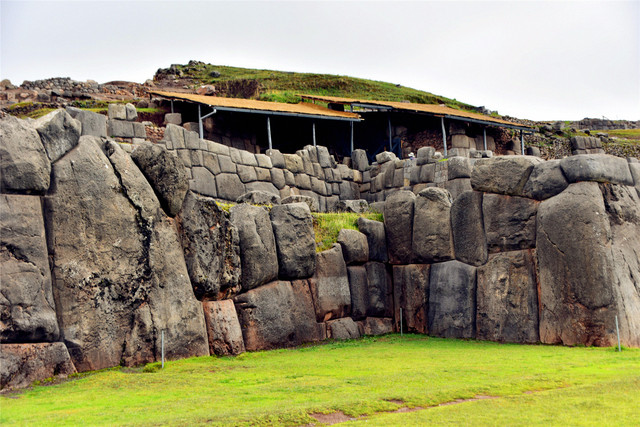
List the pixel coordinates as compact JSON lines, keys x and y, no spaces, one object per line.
{"x":282,"y":86}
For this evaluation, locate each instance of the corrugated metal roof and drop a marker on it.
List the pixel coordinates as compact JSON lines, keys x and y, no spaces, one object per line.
{"x":436,"y":110}
{"x":301,"y":109}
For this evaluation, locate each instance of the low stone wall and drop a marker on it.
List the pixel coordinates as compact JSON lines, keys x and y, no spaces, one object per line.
{"x":103,"y":251}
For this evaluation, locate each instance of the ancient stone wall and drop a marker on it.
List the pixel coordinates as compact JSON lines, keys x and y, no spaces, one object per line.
{"x":103,"y":251}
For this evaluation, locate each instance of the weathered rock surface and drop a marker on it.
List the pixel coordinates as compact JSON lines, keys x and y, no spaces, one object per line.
{"x":330,"y":285}
{"x":357,"y":206}
{"x":504,"y":174}
{"x":546,"y":180}
{"x":27,"y":310}
{"x":379,"y":290}
{"x":596,"y":167}
{"x":257,"y":245}
{"x":360,"y":160}
{"x":467,"y":225}
{"x":211,"y":247}
{"x":295,"y":240}
{"x":411,"y":294}
{"x":432,"y":236}
{"x":223,"y":328}
{"x":166,"y":174}
{"x":22,"y":364}
{"x":278,"y":314}
{"x":311,"y":202}
{"x":509,"y":222}
{"x":24,"y":165}
{"x":120,"y":276}
{"x":343,"y":329}
{"x":355,"y":247}
{"x":229,"y":186}
{"x":358,"y":288}
{"x":398,"y":222}
{"x":377,"y":326}
{"x":257,"y":197}
{"x":93,"y":124}
{"x":376,"y":238}
{"x":578,"y":301}
{"x":452,"y":299}
{"x":59,"y":133}
{"x":507,"y":298}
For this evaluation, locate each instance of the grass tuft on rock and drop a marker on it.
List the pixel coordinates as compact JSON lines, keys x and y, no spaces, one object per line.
{"x":327,"y":226}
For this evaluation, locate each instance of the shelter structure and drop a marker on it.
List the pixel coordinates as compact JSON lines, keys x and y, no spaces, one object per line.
{"x":379,"y":115}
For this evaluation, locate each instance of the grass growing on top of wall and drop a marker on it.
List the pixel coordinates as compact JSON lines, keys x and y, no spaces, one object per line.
{"x":567,"y":386}
{"x":327,"y":226}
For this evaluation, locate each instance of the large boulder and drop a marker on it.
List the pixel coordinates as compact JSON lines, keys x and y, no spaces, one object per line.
{"x":295,"y":240}
{"x":546,"y":180}
{"x":507,"y":298}
{"x":379,"y":290}
{"x":92,"y":124}
{"x":330,"y":285}
{"x":278,"y":314}
{"x":27,"y":309}
{"x":23,"y":364}
{"x":229,"y":186}
{"x":509,"y":222}
{"x":377,"y":325}
{"x":360,"y":160}
{"x":223,"y":328}
{"x":587,"y":277}
{"x":120,"y":274}
{"x":398,"y":222}
{"x":257,"y":245}
{"x":211,"y":247}
{"x":596,"y":167}
{"x":343,"y":329}
{"x":24,"y":165}
{"x":432,"y":236}
{"x":358,"y":288}
{"x":452,"y":300}
{"x":166,"y":174}
{"x":467,"y":225}
{"x":355,"y":247}
{"x":411,"y":294}
{"x":376,"y":238}
{"x":503,"y":175}
{"x":59,"y":133}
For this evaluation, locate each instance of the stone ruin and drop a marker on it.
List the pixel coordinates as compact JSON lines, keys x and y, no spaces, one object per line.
{"x":106,"y":245}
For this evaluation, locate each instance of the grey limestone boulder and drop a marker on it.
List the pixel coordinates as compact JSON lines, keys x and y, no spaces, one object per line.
{"x":211,"y":247}
{"x":130,"y":112}
{"x":117,"y":112}
{"x":166,"y":174}
{"x":452,"y":299}
{"x":92,"y":124}
{"x":59,"y":133}
{"x":357,"y":206}
{"x":379,"y":290}
{"x":24,"y":165}
{"x":432,"y":237}
{"x":507,"y":298}
{"x":343,"y":329}
{"x":385,"y":156}
{"x":229,"y":186}
{"x":546,"y":180}
{"x":257,"y":197}
{"x":295,"y":240}
{"x":279,"y":314}
{"x":277,"y":159}
{"x":398,"y":222}
{"x":596,"y":167}
{"x":223,"y":328}
{"x":27,"y":309}
{"x":323,"y":157}
{"x":376,"y":238}
{"x":503,"y":175}
{"x":459,"y":167}
{"x":355,"y":247}
{"x":377,"y":326}
{"x":257,"y":245}
{"x":330,"y":285}
{"x":358,"y":287}
{"x":360,"y":160}
{"x":310,"y":201}
{"x":263,"y":187}
{"x":467,"y":224}
{"x":23,"y":364}
{"x":509,"y":222}
{"x":119,"y":268}
{"x":203,"y":182}
{"x":411,"y":294}
{"x":293,"y":163}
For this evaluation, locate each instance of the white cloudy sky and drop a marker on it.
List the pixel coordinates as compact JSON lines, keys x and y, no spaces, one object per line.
{"x":540,"y":60}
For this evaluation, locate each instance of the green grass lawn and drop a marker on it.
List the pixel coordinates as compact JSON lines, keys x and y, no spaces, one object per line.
{"x":570,"y":386}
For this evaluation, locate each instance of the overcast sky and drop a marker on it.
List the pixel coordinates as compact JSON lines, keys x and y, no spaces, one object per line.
{"x":538,"y":60}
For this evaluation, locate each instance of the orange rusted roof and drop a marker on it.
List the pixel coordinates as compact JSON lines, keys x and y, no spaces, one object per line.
{"x":301,"y":109}
{"x":436,"y":110}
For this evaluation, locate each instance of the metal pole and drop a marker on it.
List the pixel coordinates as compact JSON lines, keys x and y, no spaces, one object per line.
{"x":484,"y":136}
{"x":444,"y":136}
{"x":401,"y":321}
{"x":162,"y":346}
{"x":200,"y":129}
{"x":314,"y":134}
{"x":351,"y":136}
{"x":618,"y":333}
{"x":390,"y":137}
{"x":269,"y":133}
{"x":522,"y":141}
{"x":172,"y":106}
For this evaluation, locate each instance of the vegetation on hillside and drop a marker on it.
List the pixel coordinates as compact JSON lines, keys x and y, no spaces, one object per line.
{"x":528,"y":384}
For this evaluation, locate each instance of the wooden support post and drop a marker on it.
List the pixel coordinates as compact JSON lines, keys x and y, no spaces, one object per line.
{"x":269,"y":132}
{"x":444,"y":136}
